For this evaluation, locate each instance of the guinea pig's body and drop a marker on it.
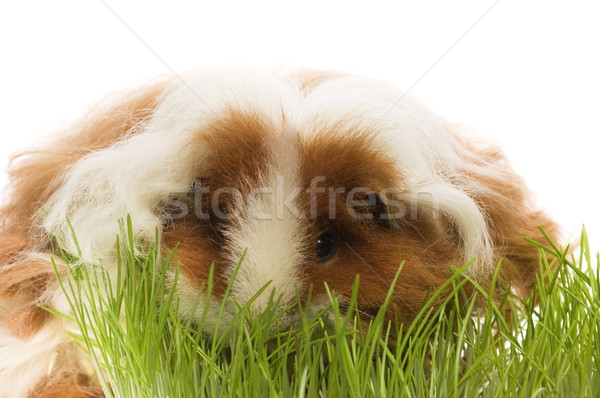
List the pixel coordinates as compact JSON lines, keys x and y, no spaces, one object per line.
{"x":320,"y":177}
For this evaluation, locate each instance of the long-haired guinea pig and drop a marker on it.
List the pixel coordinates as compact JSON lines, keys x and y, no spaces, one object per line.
{"x":319,"y":177}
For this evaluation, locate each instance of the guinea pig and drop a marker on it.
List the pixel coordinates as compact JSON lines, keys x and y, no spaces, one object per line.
{"x":317,"y":177}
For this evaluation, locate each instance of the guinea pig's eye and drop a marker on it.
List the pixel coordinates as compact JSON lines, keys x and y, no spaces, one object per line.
{"x":378,"y":208}
{"x":326,"y":247}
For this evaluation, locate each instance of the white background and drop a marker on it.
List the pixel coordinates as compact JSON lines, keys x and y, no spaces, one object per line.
{"x":525,"y":72}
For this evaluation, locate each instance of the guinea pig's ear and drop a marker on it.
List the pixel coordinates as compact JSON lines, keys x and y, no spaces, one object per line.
{"x":508,"y":207}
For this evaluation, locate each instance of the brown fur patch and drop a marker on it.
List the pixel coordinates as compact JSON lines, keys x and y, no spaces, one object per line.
{"x":513,"y":218}
{"x":66,"y":386}
{"x":23,"y":284}
{"x":238,"y":148}
{"x":372,"y":249}
{"x":506,"y":201}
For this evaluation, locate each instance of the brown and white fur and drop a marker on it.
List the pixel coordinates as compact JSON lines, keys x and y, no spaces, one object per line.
{"x":320,"y":176}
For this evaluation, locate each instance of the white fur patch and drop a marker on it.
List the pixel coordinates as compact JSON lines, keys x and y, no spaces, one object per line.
{"x":270,"y":229}
{"x":24,"y":363}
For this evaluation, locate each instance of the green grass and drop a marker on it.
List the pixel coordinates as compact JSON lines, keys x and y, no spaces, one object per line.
{"x":141,"y":347}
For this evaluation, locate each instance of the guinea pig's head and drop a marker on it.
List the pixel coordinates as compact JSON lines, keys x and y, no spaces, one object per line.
{"x":314,"y":178}
{"x":306,"y":208}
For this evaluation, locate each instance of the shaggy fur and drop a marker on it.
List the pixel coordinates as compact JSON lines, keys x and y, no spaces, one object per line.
{"x":320,"y":176}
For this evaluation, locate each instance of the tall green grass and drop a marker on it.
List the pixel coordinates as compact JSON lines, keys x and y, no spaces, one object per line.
{"x":142,"y":347}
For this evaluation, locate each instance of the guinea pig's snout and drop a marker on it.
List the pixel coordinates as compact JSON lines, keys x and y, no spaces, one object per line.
{"x":272,"y":263}
{"x":264,"y":283}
